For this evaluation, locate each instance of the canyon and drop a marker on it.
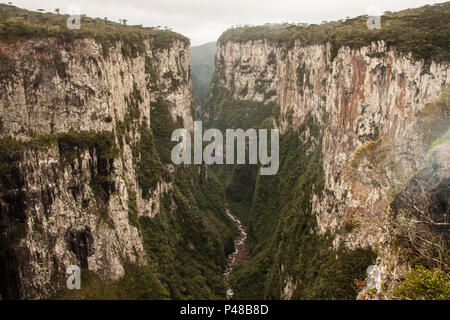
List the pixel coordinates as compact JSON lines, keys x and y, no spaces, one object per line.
{"x":87,"y":178}
{"x":356,"y":125}
{"x":86,"y":123}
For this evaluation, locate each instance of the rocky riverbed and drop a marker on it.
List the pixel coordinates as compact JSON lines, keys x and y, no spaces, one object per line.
{"x":239,"y":250}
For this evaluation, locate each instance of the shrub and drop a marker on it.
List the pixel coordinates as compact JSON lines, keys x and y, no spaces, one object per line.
{"x":132,"y":208}
{"x":150,"y":71}
{"x":72,"y":142}
{"x":162,"y":125}
{"x":421,"y":283}
{"x":369,"y":150}
{"x":149,"y":166}
{"x":11,"y":152}
{"x":272,"y":58}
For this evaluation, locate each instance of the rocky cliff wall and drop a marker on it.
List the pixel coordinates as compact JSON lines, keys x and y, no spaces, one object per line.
{"x":75,"y":115}
{"x":369,"y":103}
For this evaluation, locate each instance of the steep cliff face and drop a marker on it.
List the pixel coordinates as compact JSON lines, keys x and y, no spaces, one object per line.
{"x":362,"y":108}
{"x":85,"y":132}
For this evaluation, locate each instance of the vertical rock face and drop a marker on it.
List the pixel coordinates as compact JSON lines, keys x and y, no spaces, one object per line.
{"x":54,"y":85}
{"x":66,"y":184}
{"x":368,"y":103}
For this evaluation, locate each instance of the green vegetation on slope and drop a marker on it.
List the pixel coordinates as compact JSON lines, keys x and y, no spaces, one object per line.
{"x":282,"y":231}
{"x":162,"y":125}
{"x":139,"y":283}
{"x":421,"y":283}
{"x":185,"y":243}
{"x":226,"y":113}
{"x":425,"y":32}
{"x":190,"y":242}
{"x":283,"y":236}
{"x":149,"y":166}
{"x":10,"y":155}
{"x":72,"y":142}
{"x":19,"y":24}
{"x":202,"y":65}
{"x":11,"y":182}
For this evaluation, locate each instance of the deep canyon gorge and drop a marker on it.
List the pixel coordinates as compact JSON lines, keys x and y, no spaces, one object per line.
{"x":86,"y":177}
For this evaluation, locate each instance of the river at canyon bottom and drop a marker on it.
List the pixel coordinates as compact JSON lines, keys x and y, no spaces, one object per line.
{"x":239,"y":246}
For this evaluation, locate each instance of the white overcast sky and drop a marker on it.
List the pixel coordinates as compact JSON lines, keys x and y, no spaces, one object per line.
{"x":204,"y":20}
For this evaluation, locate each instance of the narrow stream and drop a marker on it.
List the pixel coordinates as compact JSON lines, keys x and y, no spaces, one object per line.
{"x":239,"y":245}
